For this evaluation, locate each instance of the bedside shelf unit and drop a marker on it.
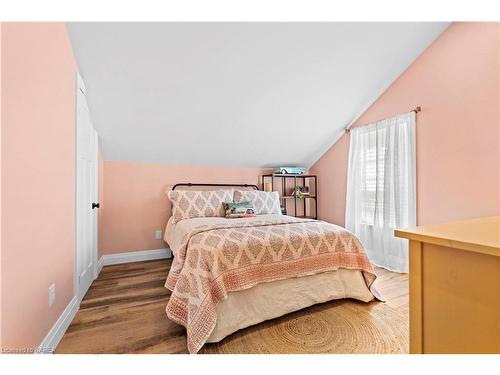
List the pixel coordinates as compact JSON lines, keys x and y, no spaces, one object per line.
{"x":298,"y":180}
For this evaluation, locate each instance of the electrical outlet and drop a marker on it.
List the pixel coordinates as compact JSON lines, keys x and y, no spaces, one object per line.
{"x":52,"y":294}
{"x":158,"y":234}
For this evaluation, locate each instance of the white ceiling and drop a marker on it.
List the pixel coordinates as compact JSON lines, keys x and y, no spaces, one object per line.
{"x":239,"y":94}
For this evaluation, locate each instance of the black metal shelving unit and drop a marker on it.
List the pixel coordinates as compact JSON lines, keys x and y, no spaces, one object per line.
{"x":301,"y":178}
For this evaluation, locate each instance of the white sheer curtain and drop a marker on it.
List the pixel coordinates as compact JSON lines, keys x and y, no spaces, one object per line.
{"x":381,"y":188}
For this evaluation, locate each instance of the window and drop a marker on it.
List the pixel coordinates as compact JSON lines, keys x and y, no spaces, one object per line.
{"x":381,"y":186}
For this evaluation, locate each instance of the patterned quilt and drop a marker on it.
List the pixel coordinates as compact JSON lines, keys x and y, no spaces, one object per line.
{"x":220,"y":258}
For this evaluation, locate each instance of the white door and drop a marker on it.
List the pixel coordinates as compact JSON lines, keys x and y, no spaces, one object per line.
{"x":86,"y":193}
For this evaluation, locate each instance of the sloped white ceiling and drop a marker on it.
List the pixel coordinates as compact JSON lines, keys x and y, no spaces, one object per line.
{"x":239,"y":94}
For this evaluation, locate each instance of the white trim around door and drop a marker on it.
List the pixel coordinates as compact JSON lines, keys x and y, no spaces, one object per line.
{"x":86,"y":194}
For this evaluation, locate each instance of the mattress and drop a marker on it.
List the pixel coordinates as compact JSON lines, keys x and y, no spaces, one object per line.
{"x":270,"y":300}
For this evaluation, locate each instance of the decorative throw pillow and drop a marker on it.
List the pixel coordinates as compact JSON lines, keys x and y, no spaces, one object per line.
{"x":263,"y":202}
{"x":187,"y":204}
{"x":239,"y":209}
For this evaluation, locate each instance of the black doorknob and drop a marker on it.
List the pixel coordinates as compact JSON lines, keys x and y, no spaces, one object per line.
{"x":95,"y":205}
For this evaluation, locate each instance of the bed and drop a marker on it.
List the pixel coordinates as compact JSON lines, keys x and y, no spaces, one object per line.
{"x":228,"y":274}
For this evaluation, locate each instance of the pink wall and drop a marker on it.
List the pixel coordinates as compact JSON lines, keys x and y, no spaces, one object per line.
{"x":456,"y":81}
{"x":135,"y":202}
{"x":38,"y":178}
{"x":1,"y":127}
{"x":332,"y":182}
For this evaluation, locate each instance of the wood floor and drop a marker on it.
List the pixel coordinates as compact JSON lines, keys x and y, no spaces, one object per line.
{"x":124,"y":312}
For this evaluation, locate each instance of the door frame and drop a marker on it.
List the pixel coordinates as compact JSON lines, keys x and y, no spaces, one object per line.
{"x":80,"y":86}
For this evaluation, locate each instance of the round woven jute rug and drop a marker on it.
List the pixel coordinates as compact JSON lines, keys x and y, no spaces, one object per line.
{"x":344,"y":326}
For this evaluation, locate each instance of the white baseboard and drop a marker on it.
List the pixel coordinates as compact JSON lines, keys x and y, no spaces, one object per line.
{"x":134,"y":256}
{"x":49,"y":343}
{"x":100,"y":264}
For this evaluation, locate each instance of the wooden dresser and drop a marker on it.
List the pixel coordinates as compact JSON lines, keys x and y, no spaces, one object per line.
{"x":455,"y":286}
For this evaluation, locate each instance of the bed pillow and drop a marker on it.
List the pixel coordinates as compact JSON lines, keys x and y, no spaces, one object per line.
{"x":187,"y":204}
{"x":263,"y":202}
{"x":239,"y":209}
